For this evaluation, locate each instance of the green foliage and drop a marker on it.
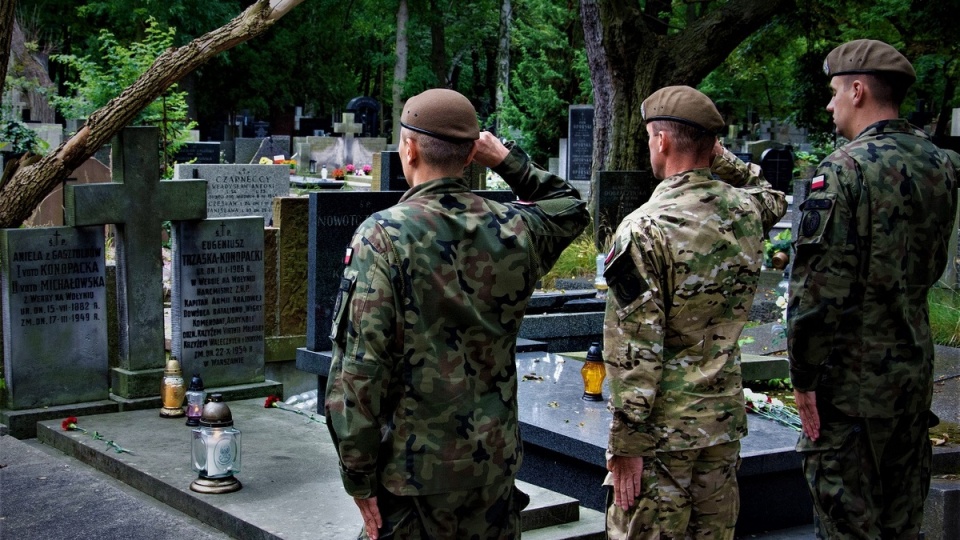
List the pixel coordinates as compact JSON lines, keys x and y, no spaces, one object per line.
{"x":118,"y":67}
{"x":577,"y":261}
{"x":945,"y":316}
{"x":17,"y":137}
{"x":781,"y":242}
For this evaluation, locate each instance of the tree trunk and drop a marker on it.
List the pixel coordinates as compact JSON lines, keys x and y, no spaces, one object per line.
{"x":503,"y":56}
{"x":400,"y":68}
{"x":7,"y":16}
{"x":630,"y":57}
{"x":31,"y":183}
{"x":438,"y":45}
{"x":33,"y":70}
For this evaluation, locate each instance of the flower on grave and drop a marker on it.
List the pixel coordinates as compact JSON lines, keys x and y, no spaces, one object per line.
{"x":70,"y":424}
{"x":350,"y":169}
{"x":772,"y":408}
{"x":338,"y":174}
{"x":273,"y":402}
{"x":367,"y":169}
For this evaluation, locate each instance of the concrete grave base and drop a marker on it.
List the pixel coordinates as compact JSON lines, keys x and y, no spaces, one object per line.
{"x":230,"y":393}
{"x":22,"y":424}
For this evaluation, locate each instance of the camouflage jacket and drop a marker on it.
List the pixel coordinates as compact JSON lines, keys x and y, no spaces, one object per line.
{"x":872,"y":240}
{"x":682,"y":275}
{"x":422,"y":391}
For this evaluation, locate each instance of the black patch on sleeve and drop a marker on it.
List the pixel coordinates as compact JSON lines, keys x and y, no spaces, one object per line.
{"x":624,"y":280}
{"x":810,"y":223}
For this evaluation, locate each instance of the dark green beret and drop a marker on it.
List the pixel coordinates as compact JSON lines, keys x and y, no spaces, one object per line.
{"x":685,"y":105}
{"x":441,"y":113}
{"x":867,"y":56}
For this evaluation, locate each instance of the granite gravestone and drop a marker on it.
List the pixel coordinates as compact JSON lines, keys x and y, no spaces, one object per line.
{"x":200,"y":153}
{"x":245,"y":149}
{"x":348,"y":128}
{"x":580,"y":143}
{"x":137,"y":203}
{"x":365,"y":148}
{"x":325,"y":151}
{"x":777,"y":165}
{"x":387,"y":172}
{"x":54,"y":316}
{"x":217,"y":300}
{"x":271,"y":147}
{"x":618,"y":193}
{"x":239,"y":190}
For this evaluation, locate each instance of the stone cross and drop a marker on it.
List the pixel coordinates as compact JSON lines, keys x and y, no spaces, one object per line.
{"x":137,"y":203}
{"x":348,"y":128}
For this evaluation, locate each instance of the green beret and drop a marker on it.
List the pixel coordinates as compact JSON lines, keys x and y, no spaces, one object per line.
{"x":441,"y":113}
{"x":685,"y":105}
{"x":868,"y":56}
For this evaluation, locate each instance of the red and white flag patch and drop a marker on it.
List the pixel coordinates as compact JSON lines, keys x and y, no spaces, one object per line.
{"x":818,"y":182}
{"x":348,"y":256}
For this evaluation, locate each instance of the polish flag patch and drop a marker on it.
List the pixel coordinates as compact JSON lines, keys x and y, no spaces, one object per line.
{"x":818,"y":182}
{"x":348,"y":256}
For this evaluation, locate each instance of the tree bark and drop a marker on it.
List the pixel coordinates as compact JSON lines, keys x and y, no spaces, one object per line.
{"x":7,"y":16}
{"x":31,"y":183}
{"x":400,"y":68}
{"x":32,"y":70}
{"x":631,"y":56}
{"x":503,"y":56}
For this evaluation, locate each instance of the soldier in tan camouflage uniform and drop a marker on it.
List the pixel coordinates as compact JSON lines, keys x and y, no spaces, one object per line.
{"x":682,"y":275}
{"x":872,"y":241}
{"x":422,"y":394}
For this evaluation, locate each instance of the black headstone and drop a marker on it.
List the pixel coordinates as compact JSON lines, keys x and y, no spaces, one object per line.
{"x":580,"y":143}
{"x":777,"y":165}
{"x":391,"y":172}
{"x":617,"y":193}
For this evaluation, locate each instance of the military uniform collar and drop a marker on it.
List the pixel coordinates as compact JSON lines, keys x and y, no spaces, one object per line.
{"x":686,"y":178}
{"x":438,"y":186}
{"x":894,"y":125}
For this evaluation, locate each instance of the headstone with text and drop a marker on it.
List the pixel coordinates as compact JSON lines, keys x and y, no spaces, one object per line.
{"x":200,"y":153}
{"x":580,"y":143}
{"x":616,"y":194}
{"x":217,"y":301}
{"x":137,"y":203}
{"x":54,"y":316}
{"x":239,"y":190}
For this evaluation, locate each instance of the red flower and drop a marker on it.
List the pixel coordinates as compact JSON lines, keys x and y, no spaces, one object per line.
{"x":270,"y":402}
{"x":69,"y":423}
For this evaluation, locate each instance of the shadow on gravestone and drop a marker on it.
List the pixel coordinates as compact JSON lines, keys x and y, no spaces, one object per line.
{"x":239,"y":190}
{"x":54,"y":316}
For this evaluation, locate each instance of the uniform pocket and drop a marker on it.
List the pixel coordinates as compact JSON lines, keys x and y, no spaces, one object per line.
{"x":344,"y":294}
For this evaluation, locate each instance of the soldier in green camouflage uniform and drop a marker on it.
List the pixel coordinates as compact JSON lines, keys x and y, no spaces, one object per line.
{"x":421,"y":399}
{"x":872,"y":240}
{"x":682,"y":276}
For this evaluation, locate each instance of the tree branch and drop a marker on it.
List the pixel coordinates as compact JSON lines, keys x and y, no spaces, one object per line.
{"x":30,"y":184}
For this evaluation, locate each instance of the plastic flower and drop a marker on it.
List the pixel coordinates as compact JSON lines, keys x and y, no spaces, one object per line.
{"x":273,"y":402}
{"x":338,"y":174}
{"x":70,"y":424}
{"x":367,"y":169}
{"x":350,"y":168}
{"x":772,"y":408}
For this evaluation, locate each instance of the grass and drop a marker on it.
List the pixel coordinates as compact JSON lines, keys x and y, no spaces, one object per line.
{"x":577,"y":261}
{"x":945,"y":316}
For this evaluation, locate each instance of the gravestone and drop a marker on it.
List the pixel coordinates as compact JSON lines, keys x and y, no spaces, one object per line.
{"x":50,"y":211}
{"x":387,"y":172}
{"x":955,"y":123}
{"x":564,"y":159}
{"x":348,"y":128}
{"x":245,"y":149}
{"x":365,"y":148}
{"x":618,"y":193}
{"x":54,"y":316}
{"x":199,"y":153}
{"x":261,"y":129}
{"x":326,"y":151}
{"x":217,"y":302}
{"x":580,"y":143}
{"x":777,"y":165}
{"x":239,"y":190}
{"x":757,"y":148}
{"x":137,"y":203}
{"x":277,"y":145}
{"x":367,"y":112}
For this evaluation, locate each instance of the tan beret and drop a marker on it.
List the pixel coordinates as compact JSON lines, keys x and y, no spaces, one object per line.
{"x":685,"y":105}
{"x":441,"y":113}
{"x":867,"y":56}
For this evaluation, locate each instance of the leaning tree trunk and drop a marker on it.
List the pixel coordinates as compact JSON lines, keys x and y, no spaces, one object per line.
{"x":31,"y":183}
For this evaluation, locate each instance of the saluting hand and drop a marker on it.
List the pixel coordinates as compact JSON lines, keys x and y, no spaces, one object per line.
{"x":490,"y":151}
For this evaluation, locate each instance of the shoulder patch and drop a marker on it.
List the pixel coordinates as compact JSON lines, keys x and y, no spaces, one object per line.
{"x":818,"y":182}
{"x":623,"y":279}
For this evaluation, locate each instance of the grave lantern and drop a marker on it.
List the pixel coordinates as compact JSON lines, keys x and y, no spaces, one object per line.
{"x":172,"y":390}
{"x":195,"y":397}
{"x":216,"y":449}
{"x":593,"y":373}
{"x":313,"y":166}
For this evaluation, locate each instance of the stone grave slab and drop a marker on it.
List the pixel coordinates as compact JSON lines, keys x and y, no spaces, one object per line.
{"x":245,"y":148}
{"x":54,"y":316}
{"x":364,"y":149}
{"x":50,"y":211}
{"x":199,"y":153}
{"x":217,"y":300}
{"x":777,"y":165}
{"x":275,"y":145}
{"x":348,"y":129}
{"x":387,"y":172}
{"x":326,"y":151}
{"x":580,"y":143}
{"x":239,"y":190}
{"x":617,"y":194}
{"x":137,"y":203}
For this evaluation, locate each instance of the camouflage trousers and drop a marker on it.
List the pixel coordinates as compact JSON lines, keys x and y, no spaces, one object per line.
{"x":488,"y":513}
{"x":869,"y":477}
{"x":686,"y":494}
